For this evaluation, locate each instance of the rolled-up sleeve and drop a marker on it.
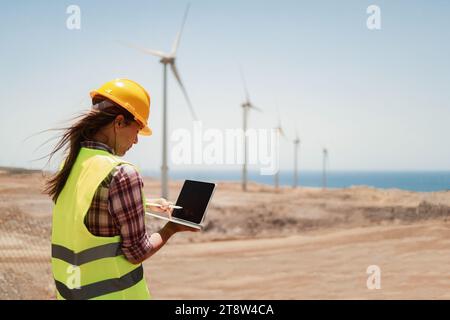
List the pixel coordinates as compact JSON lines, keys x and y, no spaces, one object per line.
{"x":126,"y":207}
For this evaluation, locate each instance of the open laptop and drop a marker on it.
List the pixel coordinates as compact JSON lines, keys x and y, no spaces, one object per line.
{"x":194,"y":197}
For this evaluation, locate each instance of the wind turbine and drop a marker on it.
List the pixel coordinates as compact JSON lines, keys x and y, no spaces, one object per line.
{"x":280,"y":132}
{"x":296,"y":142}
{"x":246,"y":106}
{"x":324,"y":172}
{"x":168,"y":59}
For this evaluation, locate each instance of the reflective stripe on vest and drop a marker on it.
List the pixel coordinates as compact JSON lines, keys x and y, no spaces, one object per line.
{"x":102,"y":287}
{"x":86,"y":266}
{"x":88,"y":255}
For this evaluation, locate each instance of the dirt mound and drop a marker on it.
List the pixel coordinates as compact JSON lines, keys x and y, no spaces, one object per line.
{"x":297,"y":216}
{"x":14,"y":221}
{"x":423,"y":211}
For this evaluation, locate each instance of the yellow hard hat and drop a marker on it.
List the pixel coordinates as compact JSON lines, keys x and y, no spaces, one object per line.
{"x":130,"y":96}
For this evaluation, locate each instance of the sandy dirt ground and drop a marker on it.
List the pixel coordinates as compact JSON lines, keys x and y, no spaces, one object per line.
{"x":263,"y":244}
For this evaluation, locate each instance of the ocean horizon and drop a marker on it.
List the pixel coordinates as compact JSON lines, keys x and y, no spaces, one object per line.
{"x":423,"y":181}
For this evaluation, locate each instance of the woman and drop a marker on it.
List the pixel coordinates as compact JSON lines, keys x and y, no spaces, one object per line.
{"x":99,"y":240}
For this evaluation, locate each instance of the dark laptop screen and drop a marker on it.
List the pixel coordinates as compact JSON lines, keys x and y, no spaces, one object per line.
{"x":194,"y":198}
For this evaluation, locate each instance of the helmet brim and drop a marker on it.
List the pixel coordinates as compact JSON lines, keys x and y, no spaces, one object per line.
{"x":146,"y":131}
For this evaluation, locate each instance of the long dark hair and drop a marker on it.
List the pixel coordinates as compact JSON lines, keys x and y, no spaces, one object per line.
{"x":85,"y":127}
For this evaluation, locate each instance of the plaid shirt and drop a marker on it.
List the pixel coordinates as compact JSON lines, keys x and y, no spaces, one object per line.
{"x":117,"y":208}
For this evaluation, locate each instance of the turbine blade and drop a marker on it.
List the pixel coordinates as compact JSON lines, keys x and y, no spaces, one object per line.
{"x":177,"y":76}
{"x":152,"y":52}
{"x":255,"y":108}
{"x":278,"y":117}
{"x":176,"y":43}
{"x":247,"y":96}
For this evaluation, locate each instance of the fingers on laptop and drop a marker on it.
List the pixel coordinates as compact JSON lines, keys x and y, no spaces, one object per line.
{"x":169,"y":212}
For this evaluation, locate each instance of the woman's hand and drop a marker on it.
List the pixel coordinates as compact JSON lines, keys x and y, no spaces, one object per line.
{"x":163,"y":208}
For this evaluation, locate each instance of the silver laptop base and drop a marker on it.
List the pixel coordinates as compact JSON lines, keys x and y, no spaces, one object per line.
{"x":175,"y":220}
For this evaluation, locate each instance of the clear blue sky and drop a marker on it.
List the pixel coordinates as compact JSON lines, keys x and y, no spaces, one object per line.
{"x":379,"y":100}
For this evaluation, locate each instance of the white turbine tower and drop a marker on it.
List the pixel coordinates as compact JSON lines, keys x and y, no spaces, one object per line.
{"x":168,"y":59}
{"x":324,"y":172}
{"x":280,"y":132}
{"x":246,"y":106}
{"x":296,"y":142}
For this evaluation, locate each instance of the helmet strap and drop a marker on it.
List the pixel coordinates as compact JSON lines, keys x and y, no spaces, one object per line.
{"x":115,"y":139}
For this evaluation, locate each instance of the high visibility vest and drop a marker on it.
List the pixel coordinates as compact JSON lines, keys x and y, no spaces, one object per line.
{"x":86,"y":266}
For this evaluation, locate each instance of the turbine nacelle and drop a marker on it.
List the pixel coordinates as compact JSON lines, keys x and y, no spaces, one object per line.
{"x":167,"y":60}
{"x":246,"y":105}
{"x":249,"y":105}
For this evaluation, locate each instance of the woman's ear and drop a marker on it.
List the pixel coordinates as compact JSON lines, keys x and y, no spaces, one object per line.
{"x":119,"y":120}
